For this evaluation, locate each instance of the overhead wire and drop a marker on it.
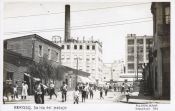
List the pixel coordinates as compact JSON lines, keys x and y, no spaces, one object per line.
{"x":93,"y":9}
{"x":73,"y":28}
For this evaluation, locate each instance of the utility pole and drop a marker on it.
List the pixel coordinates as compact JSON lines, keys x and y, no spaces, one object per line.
{"x":137,"y":59}
{"x":150,"y":60}
{"x":77,"y":74}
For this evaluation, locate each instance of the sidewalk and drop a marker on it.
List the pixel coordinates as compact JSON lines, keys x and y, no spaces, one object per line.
{"x":136,"y":99}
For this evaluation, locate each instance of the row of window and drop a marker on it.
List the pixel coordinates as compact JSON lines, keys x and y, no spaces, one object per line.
{"x":140,"y":58}
{"x":78,"y":47}
{"x":139,"y":41}
{"x":131,"y":49}
{"x":87,"y":59}
{"x":131,"y":66}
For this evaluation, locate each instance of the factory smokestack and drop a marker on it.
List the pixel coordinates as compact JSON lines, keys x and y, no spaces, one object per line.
{"x":67,"y":23}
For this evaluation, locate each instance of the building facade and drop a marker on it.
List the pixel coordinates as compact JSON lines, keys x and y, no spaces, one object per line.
{"x":137,"y":49}
{"x":82,"y":55}
{"x":159,"y":75}
{"x":112,"y":71}
{"x":32,"y":47}
{"x":107,"y":69}
{"x":35,"y":47}
{"x":14,"y":67}
{"x":117,"y":70}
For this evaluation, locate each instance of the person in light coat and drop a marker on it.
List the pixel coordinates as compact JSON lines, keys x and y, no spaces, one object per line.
{"x":24,"y":90}
{"x":76,"y":96}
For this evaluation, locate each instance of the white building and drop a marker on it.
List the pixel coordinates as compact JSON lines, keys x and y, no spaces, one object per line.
{"x":107,"y":72}
{"x":137,"y":49}
{"x":82,"y":55}
{"x":112,"y":71}
{"x":117,"y":69}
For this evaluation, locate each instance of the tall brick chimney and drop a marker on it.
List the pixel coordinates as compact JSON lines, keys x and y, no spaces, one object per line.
{"x":67,"y":23}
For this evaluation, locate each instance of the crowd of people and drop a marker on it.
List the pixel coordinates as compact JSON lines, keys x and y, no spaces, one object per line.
{"x":12,"y":91}
{"x":85,"y":91}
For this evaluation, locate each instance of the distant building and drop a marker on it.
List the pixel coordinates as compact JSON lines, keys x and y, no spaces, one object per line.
{"x":84,"y":55}
{"x":137,"y":49}
{"x":107,"y":76}
{"x":112,"y":71}
{"x":117,"y":70}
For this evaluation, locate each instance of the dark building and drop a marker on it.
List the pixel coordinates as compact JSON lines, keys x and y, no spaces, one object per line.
{"x":32,"y":47}
{"x":20,"y":52}
{"x":14,"y":67}
{"x":158,"y":74}
{"x":35,"y":47}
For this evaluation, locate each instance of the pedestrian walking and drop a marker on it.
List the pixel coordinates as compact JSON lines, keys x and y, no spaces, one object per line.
{"x":76,"y":96}
{"x":87,"y":91}
{"x":83,"y":94}
{"x":91,"y":92}
{"x":123,"y":88}
{"x":127,"y":95}
{"x":101,"y":93}
{"x":106,"y":89}
{"x":64,"y":92}
{"x":39,"y":93}
{"x":52,"y":90}
{"x":24,"y":90}
{"x":15,"y":90}
{"x":126,"y":86}
{"x":130,"y":87}
{"x":115,"y":88}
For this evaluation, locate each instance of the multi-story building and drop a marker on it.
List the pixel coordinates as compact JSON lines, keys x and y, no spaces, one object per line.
{"x":137,"y":49}
{"x":159,"y":77}
{"x":84,"y":55}
{"x":27,"y":49}
{"x":35,"y":47}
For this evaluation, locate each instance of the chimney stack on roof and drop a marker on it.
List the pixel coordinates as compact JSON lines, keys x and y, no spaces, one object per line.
{"x":67,"y":23}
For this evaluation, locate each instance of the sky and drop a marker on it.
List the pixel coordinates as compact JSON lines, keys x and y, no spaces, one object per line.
{"x":105,"y":21}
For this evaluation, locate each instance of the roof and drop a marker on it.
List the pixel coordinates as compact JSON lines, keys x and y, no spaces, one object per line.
{"x":37,"y":37}
{"x":82,"y":73}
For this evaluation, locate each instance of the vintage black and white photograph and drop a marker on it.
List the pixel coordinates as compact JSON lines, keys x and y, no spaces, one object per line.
{"x":58,"y":52}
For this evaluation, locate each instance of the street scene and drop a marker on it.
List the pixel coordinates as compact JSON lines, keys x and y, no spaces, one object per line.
{"x":86,"y":53}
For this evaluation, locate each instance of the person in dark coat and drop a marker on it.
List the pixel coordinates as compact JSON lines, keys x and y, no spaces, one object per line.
{"x":52,"y":90}
{"x":91,"y":92}
{"x":101,"y":93}
{"x":83,"y":94}
{"x":39,"y":93}
{"x":64,"y":92}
